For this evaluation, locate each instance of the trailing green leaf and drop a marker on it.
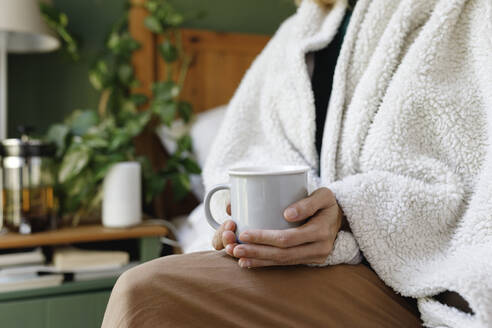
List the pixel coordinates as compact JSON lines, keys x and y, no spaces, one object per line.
{"x":168,"y":51}
{"x":153,"y":24}
{"x":166,"y":110}
{"x":58,"y":22}
{"x":122,"y":44}
{"x":120,"y":138}
{"x":191,"y":166}
{"x":76,"y":159}
{"x":181,"y":185}
{"x":125,"y":73}
{"x":167,"y":90}
{"x":154,"y":187}
{"x":184,"y":144}
{"x":139,"y":99}
{"x":80,"y":121}
{"x":185,"y":110}
{"x":57,"y":134}
{"x":99,"y":75}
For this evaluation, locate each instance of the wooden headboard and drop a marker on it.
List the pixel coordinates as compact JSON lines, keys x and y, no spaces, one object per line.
{"x":218,"y":63}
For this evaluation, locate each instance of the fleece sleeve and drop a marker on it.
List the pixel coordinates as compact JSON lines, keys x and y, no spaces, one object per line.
{"x":399,"y":220}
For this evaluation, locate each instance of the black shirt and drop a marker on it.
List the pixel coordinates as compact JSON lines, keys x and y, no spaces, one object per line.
{"x":325,"y":61}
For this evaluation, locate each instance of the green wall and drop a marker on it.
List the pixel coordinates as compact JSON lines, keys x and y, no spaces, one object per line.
{"x":44,"y":88}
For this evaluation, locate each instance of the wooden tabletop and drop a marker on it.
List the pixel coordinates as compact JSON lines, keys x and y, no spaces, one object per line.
{"x":79,"y":234}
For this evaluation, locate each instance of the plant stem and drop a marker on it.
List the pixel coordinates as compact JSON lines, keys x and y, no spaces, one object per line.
{"x":103,"y":102}
{"x":184,"y":71}
{"x":179,"y":41}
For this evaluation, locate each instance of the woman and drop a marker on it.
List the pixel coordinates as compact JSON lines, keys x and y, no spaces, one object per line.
{"x":400,"y":167}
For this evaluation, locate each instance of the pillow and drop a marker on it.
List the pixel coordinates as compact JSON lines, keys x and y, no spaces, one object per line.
{"x":203,"y":131}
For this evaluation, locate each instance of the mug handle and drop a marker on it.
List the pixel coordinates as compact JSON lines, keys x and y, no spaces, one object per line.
{"x":208,"y":214}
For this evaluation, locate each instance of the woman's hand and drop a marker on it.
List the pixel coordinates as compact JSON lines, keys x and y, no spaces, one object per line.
{"x":310,"y":243}
{"x":225,"y":234}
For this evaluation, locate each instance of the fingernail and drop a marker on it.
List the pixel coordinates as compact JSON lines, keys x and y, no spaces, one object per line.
{"x":229,"y":225}
{"x":244,"y":237}
{"x":239,"y":252}
{"x":229,"y":249}
{"x":290,"y":213}
{"x":244,"y":263}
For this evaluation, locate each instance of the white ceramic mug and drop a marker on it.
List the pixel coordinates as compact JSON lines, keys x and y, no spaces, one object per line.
{"x":260,"y":195}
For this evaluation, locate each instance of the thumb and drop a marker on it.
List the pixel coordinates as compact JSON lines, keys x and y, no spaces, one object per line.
{"x":307,"y":207}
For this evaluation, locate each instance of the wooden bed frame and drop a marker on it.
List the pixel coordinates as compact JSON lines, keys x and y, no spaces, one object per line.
{"x":218,"y":63}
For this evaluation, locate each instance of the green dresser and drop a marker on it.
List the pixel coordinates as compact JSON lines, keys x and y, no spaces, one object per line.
{"x":77,"y":304}
{"x":72,"y":304}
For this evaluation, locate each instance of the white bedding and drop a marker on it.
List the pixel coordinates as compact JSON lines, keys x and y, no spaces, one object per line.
{"x":194,"y":233}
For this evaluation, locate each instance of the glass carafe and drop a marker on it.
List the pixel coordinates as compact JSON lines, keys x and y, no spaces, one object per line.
{"x":28,"y":180}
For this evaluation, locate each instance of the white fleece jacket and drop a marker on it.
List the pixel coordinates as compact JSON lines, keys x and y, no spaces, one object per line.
{"x":406,"y":149}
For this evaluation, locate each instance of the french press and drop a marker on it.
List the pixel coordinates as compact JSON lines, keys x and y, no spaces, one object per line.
{"x":28,"y":178}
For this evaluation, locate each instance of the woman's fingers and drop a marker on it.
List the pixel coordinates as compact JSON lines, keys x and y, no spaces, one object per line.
{"x":279,"y":238}
{"x":228,"y":237}
{"x":219,"y":241}
{"x":283,"y":255}
{"x":255,"y":263}
{"x":230,"y":248}
{"x":228,"y":209}
{"x":318,"y":228}
{"x":305,"y":208}
{"x":260,"y":255}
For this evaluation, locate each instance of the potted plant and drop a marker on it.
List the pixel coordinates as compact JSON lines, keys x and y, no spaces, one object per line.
{"x":89,"y":142}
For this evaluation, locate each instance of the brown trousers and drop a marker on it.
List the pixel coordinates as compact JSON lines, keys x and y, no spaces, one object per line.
{"x":209,"y":289}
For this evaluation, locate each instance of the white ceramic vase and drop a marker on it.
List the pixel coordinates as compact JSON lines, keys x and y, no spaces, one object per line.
{"x":122,"y":196}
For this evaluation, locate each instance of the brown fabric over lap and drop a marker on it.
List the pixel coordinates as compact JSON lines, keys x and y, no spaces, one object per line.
{"x":209,"y":289}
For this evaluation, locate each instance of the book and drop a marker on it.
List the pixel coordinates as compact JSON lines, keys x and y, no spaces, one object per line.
{"x":10,"y":283}
{"x":81,"y":274}
{"x":35,"y":256}
{"x":72,"y":259}
{"x":45,"y":269}
{"x":99,"y":274}
{"x":27,"y":270}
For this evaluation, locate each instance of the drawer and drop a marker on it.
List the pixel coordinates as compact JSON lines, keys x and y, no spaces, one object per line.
{"x":79,"y":310}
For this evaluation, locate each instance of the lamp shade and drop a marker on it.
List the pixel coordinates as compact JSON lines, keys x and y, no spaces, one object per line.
{"x":25,"y":27}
